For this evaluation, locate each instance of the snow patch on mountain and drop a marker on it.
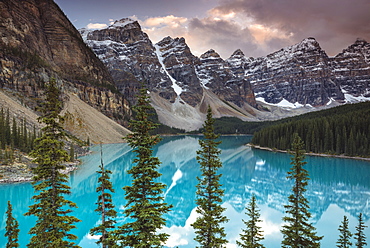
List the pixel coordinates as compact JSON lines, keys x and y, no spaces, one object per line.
{"x":283,"y":103}
{"x":355,"y":99}
{"x":121,"y":23}
{"x":175,"y":86}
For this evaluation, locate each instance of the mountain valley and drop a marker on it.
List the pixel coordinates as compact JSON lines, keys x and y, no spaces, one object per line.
{"x":104,"y":69}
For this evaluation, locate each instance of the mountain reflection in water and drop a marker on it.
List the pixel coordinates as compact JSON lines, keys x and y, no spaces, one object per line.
{"x":337,"y":187}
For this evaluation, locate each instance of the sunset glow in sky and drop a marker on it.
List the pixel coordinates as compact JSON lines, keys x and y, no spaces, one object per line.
{"x":257,"y":27}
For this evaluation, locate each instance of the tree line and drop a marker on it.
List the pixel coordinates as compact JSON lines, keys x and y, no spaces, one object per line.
{"x":145,"y":202}
{"x":342,"y":130}
{"x":14,"y":135}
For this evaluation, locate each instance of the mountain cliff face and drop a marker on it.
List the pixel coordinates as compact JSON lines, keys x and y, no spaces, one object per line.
{"x":299,"y":74}
{"x":180,"y":64}
{"x":130,"y":57}
{"x":302,"y":75}
{"x":217,"y":75}
{"x":352,"y":69}
{"x":177,"y":80}
{"x":39,"y":42}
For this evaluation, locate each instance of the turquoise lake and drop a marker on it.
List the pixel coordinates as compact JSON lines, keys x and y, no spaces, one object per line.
{"x":337,"y":187}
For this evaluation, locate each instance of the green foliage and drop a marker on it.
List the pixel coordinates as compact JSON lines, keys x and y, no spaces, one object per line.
{"x":72,"y":153}
{"x":252,"y":235}
{"x":105,"y":208}
{"x":345,"y":235}
{"x":163,"y":129}
{"x":51,"y":208}
{"x":359,"y":236}
{"x":14,"y":136}
{"x":340,"y":130}
{"x":208,"y":229}
{"x":233,"y":125}
{"x":11,"y":229}
{"x":297,"y":231}
{"x":145,"y":205}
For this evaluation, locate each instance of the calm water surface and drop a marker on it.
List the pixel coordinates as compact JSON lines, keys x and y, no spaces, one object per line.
{"x":337,"y":187}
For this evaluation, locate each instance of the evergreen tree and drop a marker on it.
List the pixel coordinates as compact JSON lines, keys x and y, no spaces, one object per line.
{"x":208,"y":229}
{"x":72,"y":153}
{"x":105,"y":207}
{"x":2,"y":129}
{"x":7,"y":128}
{"x":145,"y":205}
{"x":14,"y":135}
{"x":11,"y":229}
{"x":51,"y":208}
{"x":298,"y":232}
{"x":359,"y":236}
{"x":252,"y":235}
{"x":345,"y":235}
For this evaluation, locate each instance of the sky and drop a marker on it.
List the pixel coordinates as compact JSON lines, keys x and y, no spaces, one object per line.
{"x":257,"y":27}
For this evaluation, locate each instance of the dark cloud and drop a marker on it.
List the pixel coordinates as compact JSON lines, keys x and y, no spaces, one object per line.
{"x":223,"y":36}
{"x":334,"y":23}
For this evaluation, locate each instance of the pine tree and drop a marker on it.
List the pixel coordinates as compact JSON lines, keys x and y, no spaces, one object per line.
{"x":72,"y":153}
{"x":145,"y":205}
{"x":298,"y":232}
{"x":345,"y":235}
{"x":11,"y":229}
{"x":51,"y":208}
{"x":208,"y":229}
{"x":252,"y":235}
{"x":2,"y":129}
{"x":105,"y":207}
{"x":7,"y":128}
{"x":359,"y":236}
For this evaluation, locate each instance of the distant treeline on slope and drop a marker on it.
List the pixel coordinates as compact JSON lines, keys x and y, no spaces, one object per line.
{"x":340,"y":130}
{"x":13,"y":136}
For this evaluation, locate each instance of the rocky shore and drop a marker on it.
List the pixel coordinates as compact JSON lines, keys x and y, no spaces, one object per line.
{"x":20,"y":170}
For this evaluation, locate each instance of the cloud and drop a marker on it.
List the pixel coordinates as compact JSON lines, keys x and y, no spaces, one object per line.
{"x":172,"y":21}
{"x":265,"y":26}
{"x":224,"y":36}
{"x":96,"y":25}
{"x":334,"y":23}
{"x":159,"y":27}
{"x":217,"y":32}
{"x":222,"y":31}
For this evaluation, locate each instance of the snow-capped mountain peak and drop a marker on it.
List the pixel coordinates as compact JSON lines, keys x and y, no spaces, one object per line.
{"x":299,"y":75}
{"x":122,"y":23}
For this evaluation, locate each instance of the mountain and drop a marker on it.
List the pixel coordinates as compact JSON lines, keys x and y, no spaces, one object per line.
{"x":181,"y":84}
{"x":294,"y":80}
{"x":299,"y":74}
{"x":39,"y":42}
{"x":104,"y":68}
{"x":304,"y":74}
{"x":352,"y":70}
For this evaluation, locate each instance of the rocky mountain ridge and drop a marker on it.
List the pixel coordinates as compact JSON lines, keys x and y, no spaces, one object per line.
{"x":181,"y":84}
{"x":300,"y":78}
{"x":38,"y":42}
{"x":305,"y":74}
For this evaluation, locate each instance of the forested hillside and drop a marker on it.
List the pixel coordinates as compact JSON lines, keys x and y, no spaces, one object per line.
{"x":341,"y":130}
{"x":14,"y":136}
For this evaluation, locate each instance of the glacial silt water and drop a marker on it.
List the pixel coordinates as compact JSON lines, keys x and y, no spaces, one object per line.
{"x":337,"y":187}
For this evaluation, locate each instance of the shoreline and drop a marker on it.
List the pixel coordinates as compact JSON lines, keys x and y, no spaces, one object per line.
{"x":309,"y":153}
{"x":21,"y":174}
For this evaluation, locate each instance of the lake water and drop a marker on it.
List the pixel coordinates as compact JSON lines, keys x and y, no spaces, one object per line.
{"x":337,"y":187}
